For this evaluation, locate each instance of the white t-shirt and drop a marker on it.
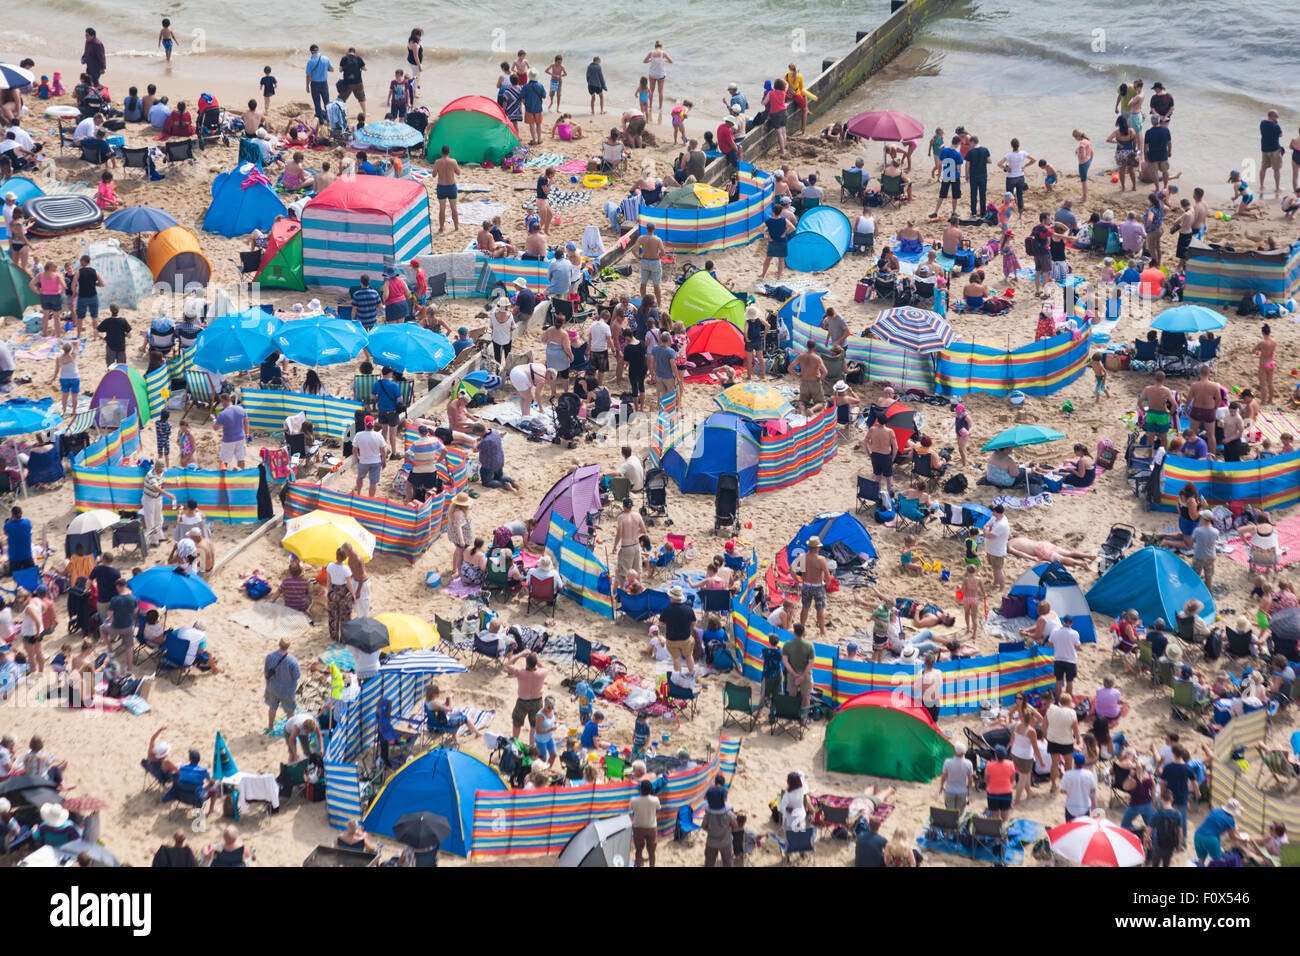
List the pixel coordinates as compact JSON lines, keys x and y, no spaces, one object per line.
{"x":1050,"y":628}
{"x":85,"y":130}
{"x":1016,"y":164}
{"x":793,"y":814}
{"x":777,"y":619}
{"x":338,"y":573}
{"x":866,"y":224}
{"x":996,"y":536}
{"x":370,"y":447}
{"x":23,"y":138}
{"x":1065,"y":642}
{"x":631,"y":470}
{"x":1080,"y":786}
{"x":600,"y":336}
{"x":502,"y":331}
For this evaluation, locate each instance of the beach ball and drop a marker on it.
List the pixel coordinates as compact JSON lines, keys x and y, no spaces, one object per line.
{"x":433,"y":579}
{"x":573,"y":179}
{"x":1114,"y":177}
{"x":1016,"y":398}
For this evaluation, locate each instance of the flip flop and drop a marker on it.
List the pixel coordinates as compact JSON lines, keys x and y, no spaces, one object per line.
{"x":471,"y":492}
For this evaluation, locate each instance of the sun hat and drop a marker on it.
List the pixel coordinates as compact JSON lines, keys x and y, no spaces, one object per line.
{"x":520,"y":283}
{"x":1233,"y":806}
{"x":841,"y":386}
{"x":161,"y":750}
{"x":545,"y":563}
{"x":959,"y":408}
{"x":1174,"y":652}
{"x":532,"y":73}
{"x":11,"y":197}
{"x":814,"y":542}
{"x":463,"y":500}
{"x":53,"y":814}
{"x":390,"y":272}
{"x":502,"y":303}
{"x":733,"y":85}
{"x":676,"y":594}
{"x":910,"y":653}
{"x":753,"y":312}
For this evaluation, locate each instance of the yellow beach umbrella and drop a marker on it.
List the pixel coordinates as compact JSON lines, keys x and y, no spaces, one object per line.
{"x":406,"y":632}
{"x":315,"y":536}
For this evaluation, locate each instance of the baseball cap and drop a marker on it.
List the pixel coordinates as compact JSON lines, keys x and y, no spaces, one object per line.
{"x":370,"y":419}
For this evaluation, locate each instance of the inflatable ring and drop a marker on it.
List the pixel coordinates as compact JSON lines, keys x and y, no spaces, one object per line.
{"x":595,"y":180}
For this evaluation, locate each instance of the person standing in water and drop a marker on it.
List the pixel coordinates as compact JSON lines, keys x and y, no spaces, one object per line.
{"x":415,"y":57}
{"x":658,"y":70}
{"x":1265,"y":348}
{"x":167,"y":39}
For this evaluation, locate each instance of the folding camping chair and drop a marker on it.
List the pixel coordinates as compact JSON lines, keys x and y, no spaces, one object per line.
{"x":173,"y":656}
{"x":802,"y":842}
{"x":717,"y":601}
{"x":615,"y":767}
{"x":944,"y":825}
{"x":892,"y":191}
{"x":990,"y":834}
{"x":957,"y":521}
{"x":787,"y":716}
{"x":178,"y":151}
{"x":154,"y":778}
{"x":486,"y":651}
{"x":619,"y":488}
{"x":851,"y":183}
{"x":191,"y":798}
{"x":863,"y":242}
{"x":582,"y":667}
{"x":543,"y":592}
{"x":199,"y":393}
{"x":135,"y":158}
{"x":922,"y":467}
{"x":909,"y":515}
{"x":1238,"y":643}
{"x":1183,"y":701}
{"x":447,"y":642}
{"x":868,"y":494}
{"x":93,"y":153}
{"x":738,"y":705}
{"x":681,"y":699}
{"x":388,"y":738}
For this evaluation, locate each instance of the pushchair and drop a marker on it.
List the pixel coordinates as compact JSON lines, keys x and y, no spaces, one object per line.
{"x":656,"y":496}
{"x":726,"y":503}
{"x":568,"y":426}
{"x":81,"y":610}
{"x":1113,"y":548}
{"x":131,"y":531}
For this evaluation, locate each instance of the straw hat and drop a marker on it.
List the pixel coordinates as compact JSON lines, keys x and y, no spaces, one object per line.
{"x":53,"y":814}
{"x":841,"y":386}
{"x":1174,"y":653}
{"x":463,"y":500}
{"x":910,"y":653}
{"x":814,"y":542}
{"x":520,"y":283}
{"x":676,"y":594}
{"x":545,"y":563}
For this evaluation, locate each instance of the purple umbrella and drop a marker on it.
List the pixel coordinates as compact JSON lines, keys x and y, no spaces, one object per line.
{"x":573,"y":497}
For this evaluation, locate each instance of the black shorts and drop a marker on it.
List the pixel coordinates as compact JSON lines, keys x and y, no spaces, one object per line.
{"x":425,"y":480}
{"x":882,"y":464}
{"x":1184,"y":242}
{"x":1059,"y":748}
{"x":999,"y":801}
{"x":1067,"y":669}
{"x":600,"y":361}
{"x":954,"y":186}
{"x":595,"y":90}
{"x":388,"y":418}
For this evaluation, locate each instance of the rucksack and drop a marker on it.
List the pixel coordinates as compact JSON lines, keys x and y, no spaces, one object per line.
{"x":1167,"y":830}
{"x":955,"y":485}
{"x":1029,"y":245}
{"x":1213,"y":645}
{"x":256,"y":588}
{"x":1247,"y":304}
{"x":720,"y":658}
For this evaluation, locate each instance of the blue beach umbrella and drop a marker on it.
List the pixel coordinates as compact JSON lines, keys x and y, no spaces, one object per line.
{"x":223,"y":761}
{"x":1188,"y":318}
{"x":22,"y":416}
{"x":13,"y":77}
{"x":1020,"y":435}
{"x":387,"y":134}
{"x":408,"y":347}
{"x":140,"y":219}
{"x":236,"y":341}
{"x":321,"y":340}
{"x":171,"y":588}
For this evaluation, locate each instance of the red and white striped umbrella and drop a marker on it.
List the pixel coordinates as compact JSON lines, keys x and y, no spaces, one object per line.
{"x":1094,"y":841}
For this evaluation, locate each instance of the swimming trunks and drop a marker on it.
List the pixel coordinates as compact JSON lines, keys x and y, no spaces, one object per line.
{"x":882,"y":464}
{"x":1200,"y":414}
{"x":1157,"y":421}
{"x":446,"y":192}
{"x":167,"y":45}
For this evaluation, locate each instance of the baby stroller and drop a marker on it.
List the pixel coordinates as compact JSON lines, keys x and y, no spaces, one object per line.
{"x":656,"y":496}
{"x":131,"y":532}
{"x":1113,"y":548}
{"x":568,"y":427}
{"x":726,"y":503}
{"x":81,"y":610}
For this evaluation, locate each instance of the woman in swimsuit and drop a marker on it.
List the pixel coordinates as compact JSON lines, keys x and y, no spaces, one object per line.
{"x":658,"y":70}
{"x":295,"y":176}
{"x":1265,"y":348}
{"x":1033,"y":550}
{"x":1084,"y":470}
{"x":1126,"y":152}
{"x":559,"y":353}
{"x":962,"y":426}
{"x":974,"y":292}
{"x":473,"y":569}
{"x":415,"y":57}
{"x":18,"y":251}
{"x":1190,"y":504}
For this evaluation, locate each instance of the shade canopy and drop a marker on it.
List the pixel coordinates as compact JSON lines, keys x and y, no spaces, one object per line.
{"x":753,"y":400}
{"x":23,"y":416}
{"x":407,"y":632}
{"x":387,"y":134}
{"x":320,"y":340}
{"x":1188,"y":318}
{"x":140,"y":219}
{"x":236,"y":342}
{"x":317,"y":535}
{"x":409,"y":347}
{"x":170,"y":587}
{"x":1092,"y":841}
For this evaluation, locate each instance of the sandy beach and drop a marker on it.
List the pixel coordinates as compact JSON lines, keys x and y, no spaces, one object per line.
{"x":103,"y":750}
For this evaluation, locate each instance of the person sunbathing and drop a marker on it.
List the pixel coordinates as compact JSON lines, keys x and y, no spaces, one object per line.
{"x":488,"y":244}
{"x":1033,"y":550}
{"x":918,"y":612}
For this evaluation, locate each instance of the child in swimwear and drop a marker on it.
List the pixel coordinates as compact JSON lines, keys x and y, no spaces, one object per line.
{"x":1288,"y":443}
{"x":933,"y":148}
{"x":1107,"y":276}
{"x":1290,"y":204}
{"x":557,"y":73}
{"x":1049,"y":178}
{"x":1010,"y":261}
{"x":565,"y":128}
{"x":972,"y":589}
{"x":106,"y":194}
{"x":1099,"y":370}
{"x":643,"y":96}
{"x":185,"y":445}
{"x":679,"y":114}
{"x":1243,"y":198}
{"x":913,"y":559}
{"x":167,"y":39}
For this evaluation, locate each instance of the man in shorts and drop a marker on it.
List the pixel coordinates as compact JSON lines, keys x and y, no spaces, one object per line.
{"x":1157,"y":401}
{"x":370,"y":451}
{"x":446,"y":168}
{"x":599,"y":338}
{"x":627,"y":544}
{"x":530,"y":682}
{"x":812,"y":584}
{"x":880,"y":630}
{"x":1062,"y":735}
{"x":232,"y":422}
{"x":882,"y":445}
{"x":797,"y":659}
{"x":352,"y":66}
{"x":1204,"y":398}
{"x":812,"y":372}
{"x":650,"y":250}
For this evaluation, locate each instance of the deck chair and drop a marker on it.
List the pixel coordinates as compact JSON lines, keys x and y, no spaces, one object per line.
{"x":923,"y":468}
{"x":786,"y":716}
{"x":363,"y":389}
{"x":1183,"y":701}
{"x":802,"y":842}
{"x":1278,"y":763}
{"x":619,"y":488}
{"x":135,"y":158}
{"x":173,"y":656}
{"x":487,"y":651}
{"x":249,"y":152}
{"x":738,"y":705}
{"x":716,"y":600}
{"x":944,"y":825}
{"x":199,"y":393}
{"x":909,"y":515}
{"x":851,"y":183}
{"x":179,"y":151}
{"x":868,"y":494}
{"x":390,"y":741}
{"x":893,"y":191}
{"x":543,"y":592}
{"x":154,"y":778}
{"x":614,"y":767}
{"x":447,"y":642}
{"x":990,"y":834}
{"x":582,"y":667}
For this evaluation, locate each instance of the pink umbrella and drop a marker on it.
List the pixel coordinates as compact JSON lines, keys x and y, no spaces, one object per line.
{"x":886,"y":126}
{"x":1094,"y":841}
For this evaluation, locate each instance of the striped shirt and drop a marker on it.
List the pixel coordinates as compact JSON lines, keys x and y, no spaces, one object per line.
{"x":424,"y":455}
{"x":296,"y":592}
{"x":365,"y":305}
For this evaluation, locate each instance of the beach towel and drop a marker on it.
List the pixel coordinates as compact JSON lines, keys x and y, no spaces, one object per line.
{"x":41,"y":347}
{"x":542,"y":160}
{"x":1043,"y":500}
{"x":854,"y":804}
{"x":1288,"y":541}
{"x":578,"y":165}
{"x":479,"y":211}
{"x":413,"y":173}
{"x":563,"y":198}
{"x":271,"y":620}
{"x":339,"y":655}
{"x":473,"y":188}
{"x":1271,"y":425}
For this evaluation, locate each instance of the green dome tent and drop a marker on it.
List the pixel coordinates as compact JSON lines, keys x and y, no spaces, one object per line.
{"x":878,"y":733}
{"x":475,"y":129}
{"x":15,"y":289}
{"x":703,"y":297}
{"x":282,"y":260}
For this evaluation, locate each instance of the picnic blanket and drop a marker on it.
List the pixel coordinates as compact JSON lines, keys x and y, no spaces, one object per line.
{"x":271,"y":620}
{"x":560,"y":647}
{"x":1288,"y":540}
{"x":563,"y":199}
{"x":1041,"y":500}
{"x":854,"y":804}
{"x":40,"y":347}
{"x":479,"y":211}
{"x":542,"y":160}
{"x":473,"y":188}
{"x":1272,"y":424}
{"x":577,"y":165}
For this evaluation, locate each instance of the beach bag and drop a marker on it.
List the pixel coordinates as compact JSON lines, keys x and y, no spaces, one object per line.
{"x":501,"y":538}
{"x":1014,"y":605}
{"x":719,"y":658}
{"x":256,"y":588}
{"x":955,"y":485}
{"x":1106,"y":454}
{"x":1247,"y":304}
{"x":1213,"y":645}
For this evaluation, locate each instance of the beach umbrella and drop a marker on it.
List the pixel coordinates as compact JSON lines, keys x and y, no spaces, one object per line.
{"x":408,"y":347}
{"x":365,"y":634}
{"x":1188,"y":318}
{"x":886,"y":126}
{"x":170,"y":587}
{"x":223,"y":762}
{"x":320,"y":340}
{"x":753,"y":400}
{"x":903,"y":421}
{"x":90,"y":522}
{"x":22,"y":416}
{"x":74,"y":849}
{"x":920,"y":330}
{"x":29,"y":790}
{"x":387,"y":134}
{"x":1020,"y":435}
{"x":1285,"y":624}
{"x":407,"y":632}
{"x":422,"y":830}
{"x":140,"y":219}
{"x":12,"y":77}
{"x":315,"y":536}
{"x":1094,"y":841}
{"x":236,"y":342}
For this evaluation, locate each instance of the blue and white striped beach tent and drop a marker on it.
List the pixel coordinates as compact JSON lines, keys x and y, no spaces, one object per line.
{"x":360,"y":224}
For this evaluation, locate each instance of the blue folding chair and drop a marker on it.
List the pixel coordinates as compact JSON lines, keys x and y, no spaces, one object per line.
{"x":644,"y":606}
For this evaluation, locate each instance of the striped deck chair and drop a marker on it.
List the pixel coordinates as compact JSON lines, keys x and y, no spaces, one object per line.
{"x":363,"y":389}
{"x":408,"y":392}
{"x":1278,"y":763}
{"x":199,"y":393}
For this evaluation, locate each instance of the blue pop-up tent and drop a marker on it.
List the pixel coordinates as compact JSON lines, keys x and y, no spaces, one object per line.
{"x":832,"y":527}
{"x":1155,"y":582}
{"x":239,"y":207}
{"x":1055,"y":585}
{"x":823,"y":236}
{"x":441,"y":781}
{"x":720,"y":444}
